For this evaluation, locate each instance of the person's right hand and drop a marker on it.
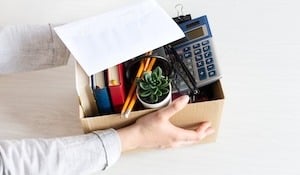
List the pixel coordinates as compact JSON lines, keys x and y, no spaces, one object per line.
{"x":156,"y":131}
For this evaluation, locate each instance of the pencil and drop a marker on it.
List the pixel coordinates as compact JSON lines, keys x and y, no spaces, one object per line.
{"x":132,"y":89}
{"x":130,"y":107}
{"x":131,"y":98}
{"x":151,"y":64}
{"x":134,"y":98}
{"x":147,"y":61}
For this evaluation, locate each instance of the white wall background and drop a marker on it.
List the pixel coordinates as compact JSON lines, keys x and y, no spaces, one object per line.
{"x":258,"y":47}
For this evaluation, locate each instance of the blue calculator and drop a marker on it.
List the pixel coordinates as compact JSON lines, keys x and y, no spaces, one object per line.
{"x":196,"y":51}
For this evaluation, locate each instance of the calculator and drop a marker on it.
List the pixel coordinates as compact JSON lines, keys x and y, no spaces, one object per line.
{"x":196,"y":51}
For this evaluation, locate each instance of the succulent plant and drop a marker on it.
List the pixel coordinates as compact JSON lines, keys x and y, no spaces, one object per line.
{"x":153,"y":86}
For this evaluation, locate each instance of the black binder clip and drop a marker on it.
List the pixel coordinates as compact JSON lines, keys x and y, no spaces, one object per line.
{"x":181,"y":18}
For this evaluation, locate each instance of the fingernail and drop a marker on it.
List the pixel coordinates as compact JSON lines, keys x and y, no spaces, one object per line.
{"x":185,"y":98}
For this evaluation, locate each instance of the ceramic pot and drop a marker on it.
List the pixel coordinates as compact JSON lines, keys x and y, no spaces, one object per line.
{"x":160,"y":104}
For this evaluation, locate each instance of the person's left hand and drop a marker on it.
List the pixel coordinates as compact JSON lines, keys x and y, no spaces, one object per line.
{"x":156,"y":131}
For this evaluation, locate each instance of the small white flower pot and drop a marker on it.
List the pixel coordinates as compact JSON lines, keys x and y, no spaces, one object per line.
{"x":160,"y":104}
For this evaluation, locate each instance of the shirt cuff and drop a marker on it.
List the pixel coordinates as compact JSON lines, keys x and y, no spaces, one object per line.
{"x":112,"y":145}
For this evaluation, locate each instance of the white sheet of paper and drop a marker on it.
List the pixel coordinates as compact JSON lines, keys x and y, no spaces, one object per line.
{"x":108,"y":39}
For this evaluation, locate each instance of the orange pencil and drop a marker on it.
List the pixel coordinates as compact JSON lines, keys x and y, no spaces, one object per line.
{"x":147,"y":60}
{"x":134,"y":98}
{"x":130,"y":107}
{"x":131,"y":98}
{"x":151,"y":64}
{"x":132,"y":89}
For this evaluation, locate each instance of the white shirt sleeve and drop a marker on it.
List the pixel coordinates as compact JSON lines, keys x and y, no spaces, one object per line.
{"x":84,"y":154}
{"x":30,"y":47}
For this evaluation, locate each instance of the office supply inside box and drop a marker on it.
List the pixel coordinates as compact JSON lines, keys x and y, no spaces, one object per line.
{"x":118,"y":39}
{"x":207,"y":109}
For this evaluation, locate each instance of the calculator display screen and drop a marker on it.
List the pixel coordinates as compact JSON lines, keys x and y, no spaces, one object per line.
{"x":196,"y":33}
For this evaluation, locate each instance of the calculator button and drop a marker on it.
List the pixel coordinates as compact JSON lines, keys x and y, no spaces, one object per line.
{"x":197,"y":51}
{"x":196,"y":45}
{"x":187,"y":54}
{"x":205,"y":42}
{"x":207,"y":54}
{"x":210,"y":67}
{"x":186,"y":49}
{"x":206,"y":48}
{"x":211,"y":73}
{"x":200,"y":64}
{"x":198,"y":57}
{"x":202,"y":74}
{"x":209,"y":61}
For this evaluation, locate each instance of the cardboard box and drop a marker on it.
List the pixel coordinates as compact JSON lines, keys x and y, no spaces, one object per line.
{"x":116,"y":37}
{"x":189,"y":117}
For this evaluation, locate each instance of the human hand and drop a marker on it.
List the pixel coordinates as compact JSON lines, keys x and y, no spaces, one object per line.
{"x":156,"y":131}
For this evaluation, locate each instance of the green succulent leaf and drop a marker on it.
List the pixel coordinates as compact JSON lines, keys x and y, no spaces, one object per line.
{"x":147,"y":76}
{"x":159,"y":82}
{"x":154,"y":76}
{"x":145,"y":93}
{"x":159,"y":93}
{"x":158,"y":71}
{"x":153,"y":85}
{"x":144,"y":85}
{"x":164,"y":83}
{"x":154,"y":98}
{"x":155,"y":90}
{"x":164,"y":91}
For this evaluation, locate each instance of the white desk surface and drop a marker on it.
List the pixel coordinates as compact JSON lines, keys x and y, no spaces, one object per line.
{"x":258,"y":47}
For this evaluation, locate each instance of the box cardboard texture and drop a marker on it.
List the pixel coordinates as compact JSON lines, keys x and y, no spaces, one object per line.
{"x":189,"y":117}
{"x":88,"y":44}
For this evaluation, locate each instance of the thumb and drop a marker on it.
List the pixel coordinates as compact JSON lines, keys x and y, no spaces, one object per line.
{"x":174,"y":107}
